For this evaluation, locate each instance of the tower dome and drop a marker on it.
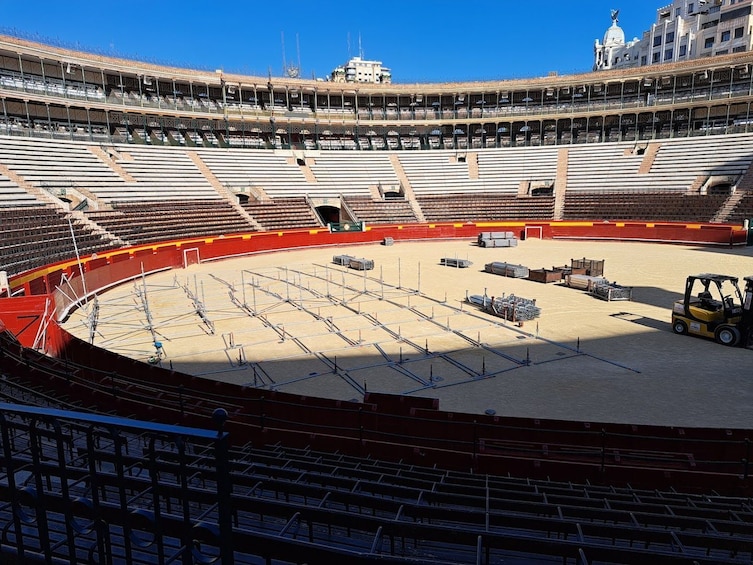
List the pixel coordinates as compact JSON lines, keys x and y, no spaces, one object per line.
{"x":614,"y":35}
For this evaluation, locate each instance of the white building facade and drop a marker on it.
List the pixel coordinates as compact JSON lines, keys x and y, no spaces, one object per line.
{"x":362,"y":70}
{"x":683,"y":30}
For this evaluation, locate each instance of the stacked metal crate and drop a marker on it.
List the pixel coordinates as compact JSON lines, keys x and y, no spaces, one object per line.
{"x":362,"y":264}
{"x":507,"y":270}
{"x":584,"y":282}
{"x":497,"y":239}
{"x":611,"y":291}
{"x":592,"y":267}
{"x":343,"y":260}
{"x":455,"y":262}
{"x":512,"y":308}
{"x":358,"y":264}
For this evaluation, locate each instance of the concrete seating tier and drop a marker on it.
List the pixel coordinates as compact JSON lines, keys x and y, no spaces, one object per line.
{"x":31,"y":237}
{"x":143,"y":173}
{"x":161,"y":173}
{"x":743,"y":211}
{"x":166,"y":220}
{"x":283,"y":213}
{"x":13,"y":195}
{"x":503,"y":171}
{"x":485,"y":207}
{"x":158,"y":173}
{"x":613,"y":165}
{"x":677,"y":165}
{"x":680,"y":162}
{"x":440,"y":171}
{"x":662,"y":206}
{"x":387,"y":211}
{"x":57,"y":165}
{"x":240,"y":169}
{"x":352,"y":173}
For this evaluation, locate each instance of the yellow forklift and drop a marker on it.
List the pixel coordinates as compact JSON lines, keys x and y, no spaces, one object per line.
{"x":714,"y":307}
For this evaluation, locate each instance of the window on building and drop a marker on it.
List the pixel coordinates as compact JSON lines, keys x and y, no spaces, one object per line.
{"x":670,"y":37}
{"x":739,"y":49}
{"x":677,"y":12}
{"x":683,"y":50}
{"x":739,"y":32}
{"x":691,"y":8}
{"x":657,"y":40}
{"x":668,"y":55}
{"x":644,"y":60}
{"x":709,"y":43}
{"x":725,"y":35}
{"x":655,"y":58}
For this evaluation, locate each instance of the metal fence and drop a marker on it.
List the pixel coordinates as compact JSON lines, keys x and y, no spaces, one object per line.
{"x":83,"y":488}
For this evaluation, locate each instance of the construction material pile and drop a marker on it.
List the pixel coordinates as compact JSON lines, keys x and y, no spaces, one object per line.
{"x":611,"y":291}
{"x":507,"y":270}
{"x":353,"y":262}
{"x":361,"y":264}
{"x":592,"y":267}
{"x":584,"y":282}
{"x":512,"y":308}
{"x":599,"y":287}
{"x":497,"y":239}
{"x":544,"y":275}
{"x":455,"y":262}
{"x":343,"y":260}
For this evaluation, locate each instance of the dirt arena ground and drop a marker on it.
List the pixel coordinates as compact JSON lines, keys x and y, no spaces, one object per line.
{"x":296,"y":322}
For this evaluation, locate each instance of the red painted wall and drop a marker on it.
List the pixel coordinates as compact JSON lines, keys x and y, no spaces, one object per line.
{"x":31,"y":319}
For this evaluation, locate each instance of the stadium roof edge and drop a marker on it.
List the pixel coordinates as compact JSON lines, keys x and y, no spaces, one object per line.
{"x":135,"y":67}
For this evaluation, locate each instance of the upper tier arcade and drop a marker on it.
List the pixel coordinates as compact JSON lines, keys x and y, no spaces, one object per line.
{"x":57,"y":93}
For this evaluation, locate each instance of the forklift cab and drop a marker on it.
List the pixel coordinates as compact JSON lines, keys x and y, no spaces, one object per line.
{"x":719,"y":299}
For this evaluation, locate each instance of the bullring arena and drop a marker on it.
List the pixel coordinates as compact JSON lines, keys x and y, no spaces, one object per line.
{"x":188,"y":375}
{"x":337,"y":332}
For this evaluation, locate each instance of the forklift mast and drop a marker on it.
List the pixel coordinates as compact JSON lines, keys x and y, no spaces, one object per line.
{"x":746,"y":323}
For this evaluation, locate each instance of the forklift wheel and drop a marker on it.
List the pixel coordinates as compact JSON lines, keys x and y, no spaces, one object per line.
{"x":727,"y":335}
{"x":680,"y":327}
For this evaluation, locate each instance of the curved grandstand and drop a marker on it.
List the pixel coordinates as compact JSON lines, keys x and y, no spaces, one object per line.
{"x":113,"y":169}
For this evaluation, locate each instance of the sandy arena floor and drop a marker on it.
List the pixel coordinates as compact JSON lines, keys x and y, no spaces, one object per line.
{"x":296,"y":322}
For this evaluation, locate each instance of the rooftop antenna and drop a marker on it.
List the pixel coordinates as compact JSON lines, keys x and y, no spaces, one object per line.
{"x":298,"y":52}
{"x":348,"y":46}
{"x":290,"y":71}
{"x":360,"y":51}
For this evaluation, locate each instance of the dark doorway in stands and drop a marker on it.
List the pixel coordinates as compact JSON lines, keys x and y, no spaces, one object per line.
{"x":328,"y":214}
{"x":723,"y":188}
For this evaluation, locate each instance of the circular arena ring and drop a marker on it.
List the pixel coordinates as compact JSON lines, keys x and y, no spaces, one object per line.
{"x":395,"y":362}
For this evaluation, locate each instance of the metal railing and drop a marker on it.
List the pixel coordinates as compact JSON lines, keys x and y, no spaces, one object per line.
{"x":78,"y":487}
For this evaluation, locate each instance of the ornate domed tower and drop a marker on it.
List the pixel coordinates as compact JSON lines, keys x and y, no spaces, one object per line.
{"x":613,"y":52}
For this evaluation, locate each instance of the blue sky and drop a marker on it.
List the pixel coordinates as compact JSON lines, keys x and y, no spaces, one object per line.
{"x":420,"y":41}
